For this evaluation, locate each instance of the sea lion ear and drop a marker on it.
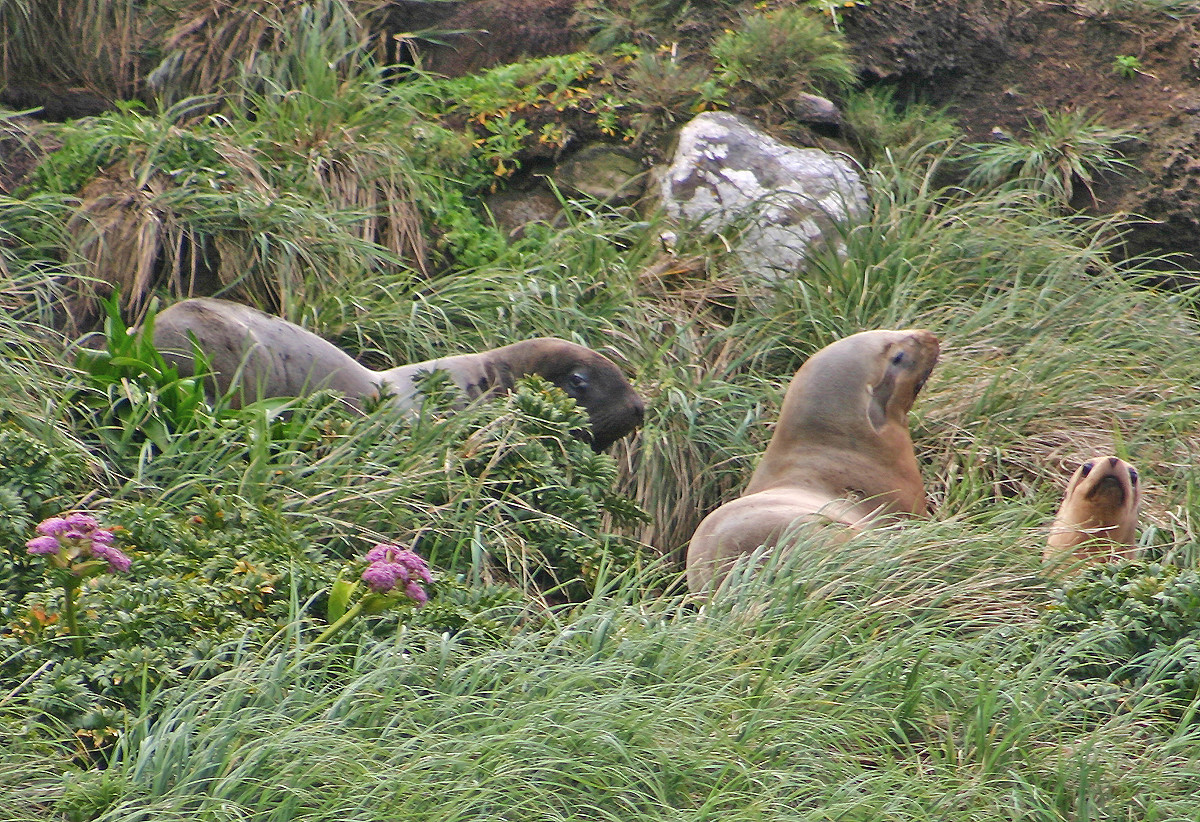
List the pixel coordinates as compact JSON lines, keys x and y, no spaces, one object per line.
{"x":882,"y":390}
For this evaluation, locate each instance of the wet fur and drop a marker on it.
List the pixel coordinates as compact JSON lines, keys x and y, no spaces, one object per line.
{"x":265,"y":356}
{"x":841,"y":451}
{"x":1098,"y":517}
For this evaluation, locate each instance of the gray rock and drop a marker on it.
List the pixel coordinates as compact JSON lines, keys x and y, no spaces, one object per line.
{"x":513,"y":210}
{"x":604,"y":172}
{"x":814,"y":110}
{"x":726,"y":173}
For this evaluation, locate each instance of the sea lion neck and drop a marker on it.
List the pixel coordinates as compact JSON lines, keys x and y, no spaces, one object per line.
{"x":537,"y":355}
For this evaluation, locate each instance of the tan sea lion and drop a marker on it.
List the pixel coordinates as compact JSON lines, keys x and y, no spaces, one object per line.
{"x":841,"y":451}
{"x":1098,"y":517}
{"x":266,"y":356}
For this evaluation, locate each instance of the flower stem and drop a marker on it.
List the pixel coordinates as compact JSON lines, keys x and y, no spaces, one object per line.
{"x":341,"y":622}
{"x":69,"y":592}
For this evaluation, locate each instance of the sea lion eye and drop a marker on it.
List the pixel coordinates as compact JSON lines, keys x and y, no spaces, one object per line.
{"x":898,"y":358}
{"x":577,"y":381}
{"x":1086,"y":468}
{"x":1133,"y":476}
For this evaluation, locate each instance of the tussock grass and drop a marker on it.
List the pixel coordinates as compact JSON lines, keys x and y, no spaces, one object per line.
{"x":1069,"y":148}
{"x":864,"y":684}
{"x":227,"y":48}
{"x":94,"y":42}
{"x":900,"y":676}
{"x":314,"y":185}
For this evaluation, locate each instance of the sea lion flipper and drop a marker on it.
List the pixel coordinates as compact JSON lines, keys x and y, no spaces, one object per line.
{"x":881,"y":393}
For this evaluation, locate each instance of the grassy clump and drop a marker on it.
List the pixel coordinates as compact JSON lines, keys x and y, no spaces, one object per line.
{"x":784,"y":52}
{"x":1070,"y":148}
{"x":1132,"y":624}
{"x":879,"y":125}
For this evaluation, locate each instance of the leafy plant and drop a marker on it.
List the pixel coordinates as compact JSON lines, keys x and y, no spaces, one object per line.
{"x":1132,"y":622}
{"x":139,"y":401}
{"x":1127,"y":65}
{"x":1070,"y":147}
{"x":76,"y":548}
{"x":782,"y":53}
{"x":36,"y":480}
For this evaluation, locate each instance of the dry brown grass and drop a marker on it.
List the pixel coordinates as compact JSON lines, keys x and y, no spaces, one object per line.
{"x":94,"y":43}
{"x":210,"y":45}
{"x":131,"y":240}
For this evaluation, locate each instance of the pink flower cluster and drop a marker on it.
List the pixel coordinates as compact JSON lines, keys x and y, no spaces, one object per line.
{"x":391,"y":566}
{"x":78,"y":536}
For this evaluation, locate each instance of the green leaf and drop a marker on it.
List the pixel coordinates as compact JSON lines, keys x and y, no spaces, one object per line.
{"x":339,"y":598}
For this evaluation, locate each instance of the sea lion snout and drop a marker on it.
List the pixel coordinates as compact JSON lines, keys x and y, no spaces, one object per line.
{"x":607,"y":428}
{"x":1110,"y":489}
{"x":637,"y":409}
{"x":929,"y":348}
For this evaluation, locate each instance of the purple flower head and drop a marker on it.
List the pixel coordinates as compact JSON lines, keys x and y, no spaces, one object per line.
{"x":391,"y":566}
{"x":52,"y":527}
{"x":42,"y":545}
{"x":382,"y":576}
{"x":117,"y":561}
{"x":102,"y":536}
{"x":380,"y":553}
{"x":81,"y":536}
{"x":415,"y":564}
{"x":416,"y":593}
{"x":79,"y":526}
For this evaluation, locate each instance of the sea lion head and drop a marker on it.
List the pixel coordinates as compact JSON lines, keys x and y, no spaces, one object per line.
{"x":855,"y":394}
{"x":863,"y":382}
{"x":843,"y":426}
{"x":1100,"y":504}
{"x":591,"y":379}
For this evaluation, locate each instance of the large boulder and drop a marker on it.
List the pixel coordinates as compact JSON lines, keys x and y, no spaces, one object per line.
{"x":728,"y":174}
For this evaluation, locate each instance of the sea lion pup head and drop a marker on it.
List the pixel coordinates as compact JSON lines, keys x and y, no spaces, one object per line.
{"x":1098,"y":517}
{"x":591,"y":379}
{"x":843,"y":428}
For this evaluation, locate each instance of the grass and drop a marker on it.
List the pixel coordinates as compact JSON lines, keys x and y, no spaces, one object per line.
{"x":784,"y":52}
{"x":903,"y":676}
{"x":93,"y":43}
{"x":897,"y":680}
{"x":1069,"y":148}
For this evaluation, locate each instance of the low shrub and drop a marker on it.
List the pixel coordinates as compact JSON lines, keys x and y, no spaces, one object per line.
{"x":1132,"y":623}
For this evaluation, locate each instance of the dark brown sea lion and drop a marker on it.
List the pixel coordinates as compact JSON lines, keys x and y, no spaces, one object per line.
{"x":1098,"y":517}
{"x":265,"y":356}
{"x":841,"y":451}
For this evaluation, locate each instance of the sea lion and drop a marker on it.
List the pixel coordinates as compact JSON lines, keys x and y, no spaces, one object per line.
{"x":1098,"y":517}
{"x":266,"y":356}
{"x":841,"y":451}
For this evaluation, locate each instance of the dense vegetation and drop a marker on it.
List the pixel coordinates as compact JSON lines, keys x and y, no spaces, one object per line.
{"x":236,"y":669}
